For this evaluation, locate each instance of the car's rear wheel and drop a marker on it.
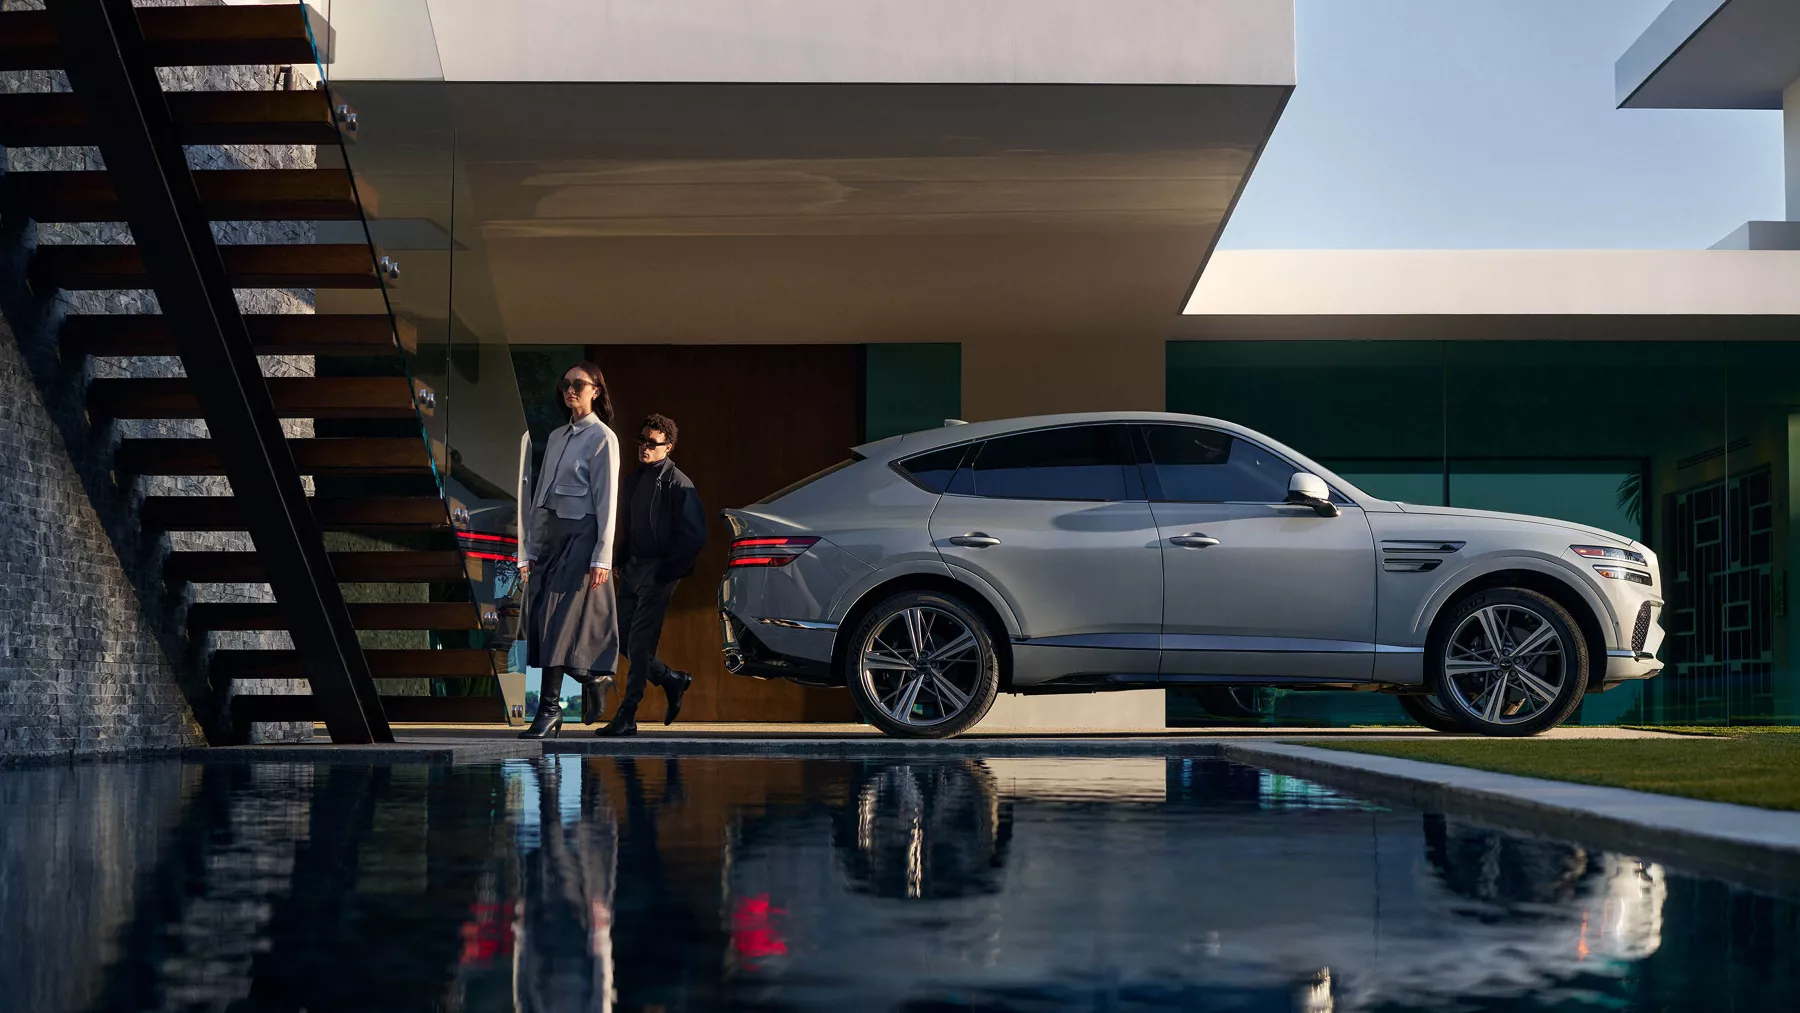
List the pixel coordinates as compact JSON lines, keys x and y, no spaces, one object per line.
{"x":1509,"y":662}
{"x":1237,"y":703}
{"x":923,"y":665}
{"x":1426,"y":710}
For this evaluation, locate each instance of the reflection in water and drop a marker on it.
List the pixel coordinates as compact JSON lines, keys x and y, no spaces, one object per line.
{"x":596,"y":884}
{"x":563,"y":952}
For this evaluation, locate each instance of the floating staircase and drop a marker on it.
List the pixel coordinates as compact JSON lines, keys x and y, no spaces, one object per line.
{"x":374,"y":473}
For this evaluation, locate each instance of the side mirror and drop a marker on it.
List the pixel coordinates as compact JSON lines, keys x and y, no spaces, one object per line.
{"x":1311,"y":490}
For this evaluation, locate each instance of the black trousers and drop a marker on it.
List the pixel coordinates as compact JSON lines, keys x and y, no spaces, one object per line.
{"x":643,"y":602}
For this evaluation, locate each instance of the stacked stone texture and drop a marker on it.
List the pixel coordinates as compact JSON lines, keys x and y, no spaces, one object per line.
{"x":92,"y":659}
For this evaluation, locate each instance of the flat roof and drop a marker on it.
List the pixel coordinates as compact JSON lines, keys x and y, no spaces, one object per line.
{"x":1212,"y":42}
{"x":1713,"y":54}
{"x":1512,"y":283}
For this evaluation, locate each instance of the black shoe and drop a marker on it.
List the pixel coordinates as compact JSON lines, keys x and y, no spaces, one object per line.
{"x":593,"y":698}
{"x":548,"y":722}
{"x":623,"y":725}
{"x":676,"y":688}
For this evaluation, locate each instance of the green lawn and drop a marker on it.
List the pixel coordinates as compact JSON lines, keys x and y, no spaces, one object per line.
{"x":1759,"y":767}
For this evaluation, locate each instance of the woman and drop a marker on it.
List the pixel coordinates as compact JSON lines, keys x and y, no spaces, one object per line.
{"x":571,"y":615}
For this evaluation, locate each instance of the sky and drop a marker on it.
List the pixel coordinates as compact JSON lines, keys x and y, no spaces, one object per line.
{"x":1431,"y":124}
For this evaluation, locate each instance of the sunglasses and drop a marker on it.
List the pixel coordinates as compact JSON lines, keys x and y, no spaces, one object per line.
{"x":653,"y":443}
{"x":568,"y":385}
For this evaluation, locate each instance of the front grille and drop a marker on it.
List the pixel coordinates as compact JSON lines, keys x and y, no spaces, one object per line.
{"x":1641,"y":632}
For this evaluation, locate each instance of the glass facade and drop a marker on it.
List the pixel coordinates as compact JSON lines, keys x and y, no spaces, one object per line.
{"x":1683,"y":445}
{"x":415,"y":202}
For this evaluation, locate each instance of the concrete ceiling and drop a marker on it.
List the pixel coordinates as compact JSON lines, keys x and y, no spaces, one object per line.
{"x":1713,"y":54}
{"x":697,"y":213}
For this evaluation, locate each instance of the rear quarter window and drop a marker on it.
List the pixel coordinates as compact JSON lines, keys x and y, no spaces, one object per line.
{"x":933,"y":471}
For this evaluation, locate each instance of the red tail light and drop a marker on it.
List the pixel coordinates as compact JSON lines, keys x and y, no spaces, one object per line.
{"x":769,"y":551}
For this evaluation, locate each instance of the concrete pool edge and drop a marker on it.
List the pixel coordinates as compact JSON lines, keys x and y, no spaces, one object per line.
{"x":1759,"y":848}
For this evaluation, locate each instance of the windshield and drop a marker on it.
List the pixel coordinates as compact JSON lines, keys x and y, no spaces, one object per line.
{"x":808,"y":480}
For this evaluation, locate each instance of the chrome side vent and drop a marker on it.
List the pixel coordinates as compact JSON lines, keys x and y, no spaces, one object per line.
{"x":1406,"y":555}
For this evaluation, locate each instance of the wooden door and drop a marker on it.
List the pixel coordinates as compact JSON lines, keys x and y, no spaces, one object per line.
{"x":753,"y":418}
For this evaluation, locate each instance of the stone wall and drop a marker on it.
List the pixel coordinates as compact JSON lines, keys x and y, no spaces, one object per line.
{"x":75,"y":607}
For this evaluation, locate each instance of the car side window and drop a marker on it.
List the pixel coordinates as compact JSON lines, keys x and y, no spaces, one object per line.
{"x":1195,"y":465}
{"x":1070,"y":463}
{"x":933,"y":469}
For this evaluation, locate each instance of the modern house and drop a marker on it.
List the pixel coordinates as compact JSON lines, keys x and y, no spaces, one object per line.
{"x":793,"y":227}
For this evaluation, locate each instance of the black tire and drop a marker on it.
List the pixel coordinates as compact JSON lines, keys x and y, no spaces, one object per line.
{"x":931,"y":830}
{"x":959,"y":686}
{"x":1505,"y":715}
{"x":1426,"y":710}
{"x":1240,"y":703}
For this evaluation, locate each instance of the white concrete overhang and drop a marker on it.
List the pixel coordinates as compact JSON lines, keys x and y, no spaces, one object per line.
{"x":1713,"y":54}
{"x":1237,"y":42}
{"x":690,"y":171}
{"x":1497,"y":294}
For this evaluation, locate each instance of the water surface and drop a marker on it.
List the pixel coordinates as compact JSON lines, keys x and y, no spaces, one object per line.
{"x":592,"y":884}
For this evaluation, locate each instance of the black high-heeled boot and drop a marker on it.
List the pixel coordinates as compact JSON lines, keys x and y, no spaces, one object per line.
{"x":593,"y":697}
{"x":548,"y":722}
{"x":623,"y":724}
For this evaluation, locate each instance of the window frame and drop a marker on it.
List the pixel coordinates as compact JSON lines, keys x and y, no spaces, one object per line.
{"x":1153,"y":484}
{"x":898,"y":465}
{"x":1135,"y":491}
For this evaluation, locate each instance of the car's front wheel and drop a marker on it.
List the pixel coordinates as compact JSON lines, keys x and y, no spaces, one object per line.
{"x":923,"y":665}
{"x":1426,"y":710}
{"x":1510,"y":662}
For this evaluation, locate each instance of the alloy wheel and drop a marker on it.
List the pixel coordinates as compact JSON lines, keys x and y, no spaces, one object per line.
{"x":921,"y":666}
{"x":1505,"y":664}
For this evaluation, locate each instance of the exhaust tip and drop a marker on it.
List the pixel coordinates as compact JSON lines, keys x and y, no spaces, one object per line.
{"x":734,"y":662}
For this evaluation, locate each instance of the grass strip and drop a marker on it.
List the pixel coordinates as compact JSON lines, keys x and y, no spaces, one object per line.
{"x":1759,"y":767}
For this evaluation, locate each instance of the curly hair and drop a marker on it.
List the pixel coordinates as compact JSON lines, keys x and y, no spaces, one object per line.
{"x":602,"y":398}
{"x":664,"y":425}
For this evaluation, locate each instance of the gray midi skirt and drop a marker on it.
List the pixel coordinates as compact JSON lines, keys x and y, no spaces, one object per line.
{"x":568,"y":623}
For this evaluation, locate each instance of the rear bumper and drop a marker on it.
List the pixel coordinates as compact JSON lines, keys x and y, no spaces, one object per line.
{"x":777,"y":650}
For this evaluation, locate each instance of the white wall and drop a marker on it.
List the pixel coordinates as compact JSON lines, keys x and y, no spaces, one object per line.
{"x":1790,"y":134}
{"x":1509,"y":282}
{"x":962,"y":41}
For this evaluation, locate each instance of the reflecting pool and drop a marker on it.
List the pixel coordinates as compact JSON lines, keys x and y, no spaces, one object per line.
{"x":585,"y":883}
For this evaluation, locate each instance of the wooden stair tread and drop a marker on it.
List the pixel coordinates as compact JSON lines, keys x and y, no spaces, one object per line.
{"x":297,"y":265}
{"x":258,"y":35}
{"x":319,"y":397}
{"x":400,"y":709}
{"x":443,"y":663}
{"x":223,"y":513}
{"x":128,"y":334}
{"x":433,"y":615}
{"x":58,"y":119}
{"x":225,"y":195}
{"x":380,"y":566}
{"x":390,"y":455}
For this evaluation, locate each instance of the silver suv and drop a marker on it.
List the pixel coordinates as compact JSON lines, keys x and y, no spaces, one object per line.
{"x":1070,"y":553}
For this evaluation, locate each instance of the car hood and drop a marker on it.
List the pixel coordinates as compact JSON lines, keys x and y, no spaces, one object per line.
{"x":1447,"y":511}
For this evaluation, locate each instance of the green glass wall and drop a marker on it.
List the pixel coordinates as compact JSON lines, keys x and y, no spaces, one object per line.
{"x":1684,"y":445}
{"x":909,"y":387}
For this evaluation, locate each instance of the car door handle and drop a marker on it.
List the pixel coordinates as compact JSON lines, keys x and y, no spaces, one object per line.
{"x":974,"y":540}
{"x":1193,"y":540}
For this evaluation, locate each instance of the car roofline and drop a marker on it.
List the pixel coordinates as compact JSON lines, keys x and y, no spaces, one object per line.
{"x":905,"y":445}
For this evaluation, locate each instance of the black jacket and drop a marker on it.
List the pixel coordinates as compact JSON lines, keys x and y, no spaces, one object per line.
{"x":680,"y":522}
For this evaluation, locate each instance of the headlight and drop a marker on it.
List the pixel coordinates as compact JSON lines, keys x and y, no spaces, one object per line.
{"x":1608,"y":552}
{"x":1620,"y":573}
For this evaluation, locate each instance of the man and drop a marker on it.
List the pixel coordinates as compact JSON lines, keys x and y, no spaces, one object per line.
{"x":664,"y":531}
